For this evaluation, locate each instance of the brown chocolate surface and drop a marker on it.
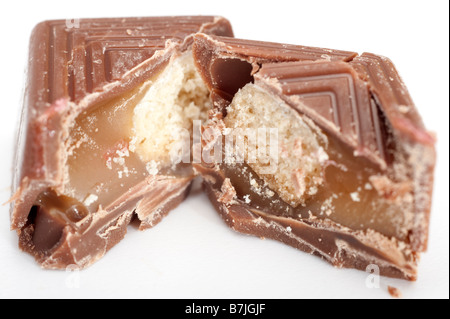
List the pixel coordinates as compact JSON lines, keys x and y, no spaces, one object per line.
{"x":74,"y":69}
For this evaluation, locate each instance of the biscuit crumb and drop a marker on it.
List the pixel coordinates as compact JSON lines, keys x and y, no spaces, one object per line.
{"x":355,"y":197}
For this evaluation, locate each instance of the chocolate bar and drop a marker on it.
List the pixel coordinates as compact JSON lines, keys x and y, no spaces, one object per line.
{"x":105,"y":102}
{"x":320,"y":149}
{"x":348,"y":173}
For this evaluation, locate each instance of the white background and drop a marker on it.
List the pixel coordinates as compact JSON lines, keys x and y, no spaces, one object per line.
{"x":192,"y":253}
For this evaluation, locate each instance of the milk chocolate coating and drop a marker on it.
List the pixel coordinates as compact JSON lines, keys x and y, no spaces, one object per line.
{"x":362,"y":105}
{"x":73,"y":66}
{"x":358,"y":101}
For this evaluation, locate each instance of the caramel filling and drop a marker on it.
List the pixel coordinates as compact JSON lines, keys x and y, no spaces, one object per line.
{"x":50,"y":215}
{"x":121,"y":142}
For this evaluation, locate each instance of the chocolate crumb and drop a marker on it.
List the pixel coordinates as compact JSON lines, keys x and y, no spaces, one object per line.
{"x":394,"y":292}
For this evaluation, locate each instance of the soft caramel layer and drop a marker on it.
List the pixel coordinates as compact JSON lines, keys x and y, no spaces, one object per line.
{"x":122,"y":141}
{"x":50,"y":214}
{"x":101,"y":166}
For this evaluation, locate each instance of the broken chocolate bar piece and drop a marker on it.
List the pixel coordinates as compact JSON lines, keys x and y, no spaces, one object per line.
{"x":106,"y":102}
{"x":322,"y":149}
